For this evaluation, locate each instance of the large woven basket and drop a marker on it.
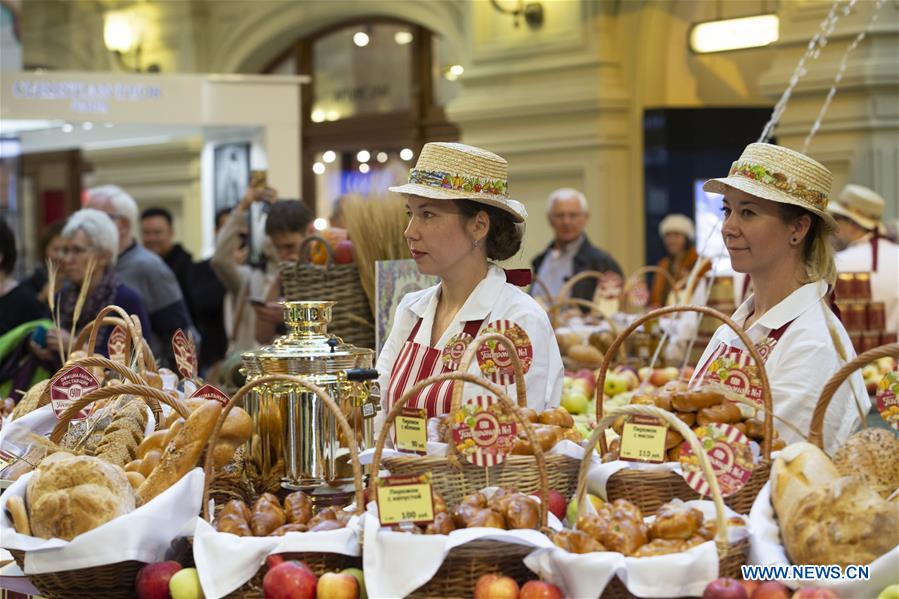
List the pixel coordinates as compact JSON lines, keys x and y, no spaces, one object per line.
{"x":816,"y":426}
{"x":318,"y":562}
{"x":464,"y":565}
{"x":650,"y":489}
{"x":109,"y":581}
{"x":143,"y":357}
{"x":453,"y":479}
{"x":730,"y":556}
{"x":340,"y":283}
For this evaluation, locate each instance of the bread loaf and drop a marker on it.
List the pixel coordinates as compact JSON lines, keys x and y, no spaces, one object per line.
{"x":124,"y":434}
{"x":798,"y":470}
{"x":70,"y":496}
{"x":873,"y":455}
{"x":842,"y":522}
{"x":182,"y":452}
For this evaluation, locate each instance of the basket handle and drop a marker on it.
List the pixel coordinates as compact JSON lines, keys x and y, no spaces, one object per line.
{"x":306,"y":245}
{"x":635,"y":277}
{"x":750,"y":348}
{"x":544,"y":289}
{"x":469,"y":356}
{"x":554,"y":321}
{"x":507,"y":404}
{"x":816,"y":427}
{"x":137,"y":338}
{"x":299,"y":382}
{"x":151,"y":396}
{"x":565,"y":291}
{"x":686,"y":433}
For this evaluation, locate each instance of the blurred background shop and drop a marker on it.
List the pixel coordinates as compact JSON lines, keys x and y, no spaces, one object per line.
{"x":631,"y":102}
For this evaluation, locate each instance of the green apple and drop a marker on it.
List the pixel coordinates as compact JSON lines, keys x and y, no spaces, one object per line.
{"x":571,"y":511}
{"x":891,"y":592}
{"x":575,"y":403}
{"x":615,"y":384}
{"x":360,"y":578}
{"x":185,"y":584}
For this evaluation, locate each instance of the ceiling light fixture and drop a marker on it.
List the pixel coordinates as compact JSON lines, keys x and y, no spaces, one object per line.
{"x":406,"y":154}
{"x":734,"y":34}
{"x":329,"y":156}
{"x":403,"y":37}
{"x":361,"y":39}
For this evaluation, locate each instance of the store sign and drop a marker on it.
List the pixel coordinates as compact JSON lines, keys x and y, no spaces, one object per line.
{"x":95,"y":98}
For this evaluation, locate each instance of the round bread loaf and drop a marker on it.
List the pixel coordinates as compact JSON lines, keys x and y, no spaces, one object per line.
{"x":873,"y":455}
{"x":70,"y":496}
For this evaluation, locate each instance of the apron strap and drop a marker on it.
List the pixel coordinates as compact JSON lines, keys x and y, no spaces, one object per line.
{"x":874,"y":247}
{"x":471,"y":328}
{"x":777,"y":333}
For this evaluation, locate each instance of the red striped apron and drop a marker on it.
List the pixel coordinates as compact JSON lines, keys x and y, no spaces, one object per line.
{"x":417,"y":362}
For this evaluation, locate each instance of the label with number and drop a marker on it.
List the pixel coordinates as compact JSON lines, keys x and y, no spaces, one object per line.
{"x":643,"y":440}
{"x":412,"y":431}
{"x":405,"y":499}
{"x":211,"y":393}
{"x":69,"y":386}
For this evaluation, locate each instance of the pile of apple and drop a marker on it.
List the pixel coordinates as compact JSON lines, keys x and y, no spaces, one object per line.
{"x":497,"y":586}
{"x":875,"y":371}
{"x":168,"y":580}
{"x":729,"y":588}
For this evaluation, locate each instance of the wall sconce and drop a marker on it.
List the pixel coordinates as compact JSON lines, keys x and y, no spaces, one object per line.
{"x":121,"y":34}
{"x":734,"y":34}
{"x":532,"y":12}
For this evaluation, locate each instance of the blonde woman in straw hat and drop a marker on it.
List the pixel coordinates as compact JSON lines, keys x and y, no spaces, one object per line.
{"x":462,"y":221}
{"x":777,"y":230}
{"x":864,"y":248}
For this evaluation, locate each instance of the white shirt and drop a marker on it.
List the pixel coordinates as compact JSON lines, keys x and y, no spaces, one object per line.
{"x":802,"y":362}
{"x":492,"y":299}
{"x":884,"y":282}
{"x":557,"y":267}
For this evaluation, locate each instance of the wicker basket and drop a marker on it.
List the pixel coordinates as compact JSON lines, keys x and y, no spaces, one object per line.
{"x":464,"y":565}
{"x":318,"y":562}
{"x":339,"y":283}
{"x":453,"y":479}
{"x":816,"y":426}
{"x":650,"y":489}
{"x":730,"y":556}
{"x":131,"y":324}
{"x":624,"y":300}
{"x":109,"y":581}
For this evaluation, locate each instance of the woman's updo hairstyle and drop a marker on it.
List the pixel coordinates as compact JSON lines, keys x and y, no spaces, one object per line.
{"x":817,"y":249}
{"x":503,"y":240}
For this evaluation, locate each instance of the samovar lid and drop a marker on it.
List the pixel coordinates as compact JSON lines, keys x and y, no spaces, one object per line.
{"x":307,"y":348}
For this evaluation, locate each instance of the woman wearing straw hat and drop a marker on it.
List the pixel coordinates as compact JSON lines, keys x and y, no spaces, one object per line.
{"x":863,"y":246}
{"x":777,"y":230}
{"x":461,"y":220}
{"x":677,"y":233}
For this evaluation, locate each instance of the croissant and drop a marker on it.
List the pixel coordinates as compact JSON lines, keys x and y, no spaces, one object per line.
{"x":234,"y":524}
{"x":266,"y":515}
{"x":298,"y":507}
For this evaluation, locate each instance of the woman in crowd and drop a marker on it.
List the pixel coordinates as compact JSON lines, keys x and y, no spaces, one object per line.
{"x":677,"y":233}
{"x":777,"y":230}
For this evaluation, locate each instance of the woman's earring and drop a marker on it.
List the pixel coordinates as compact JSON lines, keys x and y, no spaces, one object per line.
{"x":477,"y":242}
{"x":794,"y":241}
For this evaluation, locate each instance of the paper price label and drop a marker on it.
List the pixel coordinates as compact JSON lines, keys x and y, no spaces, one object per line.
{"x":643,"y":440}
{"x":412,"y":431}
{"x":411,"y":502}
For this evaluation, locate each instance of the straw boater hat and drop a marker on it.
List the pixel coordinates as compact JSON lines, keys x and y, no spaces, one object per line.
{"x":453,"y":171}
{"x":676,"y":223}
{"x":861,"y":205}
{"x":781,"y":175}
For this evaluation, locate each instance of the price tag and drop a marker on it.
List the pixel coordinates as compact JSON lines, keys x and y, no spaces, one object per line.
{"x":412,"y":431}
{"x":643,"y":440}
{"x":118,"y":344}
{"x":185,"y":351}
{"x":211,"y":393}
{"x":729,"y":455}
{"x":69,"y":386}
{"x":405,"y":499}
{"x":887,"y":398}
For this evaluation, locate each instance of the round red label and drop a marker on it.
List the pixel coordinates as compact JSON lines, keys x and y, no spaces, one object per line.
{"x":494,"y":359}
{"x":484,"y":433}
{"x":887,"y":398}
{"x":729,"y":455}
{"x":452,"y":352}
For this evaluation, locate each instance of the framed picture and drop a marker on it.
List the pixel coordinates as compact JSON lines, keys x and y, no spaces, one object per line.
{"x":231,"y":172}
{"x":393,"y":280}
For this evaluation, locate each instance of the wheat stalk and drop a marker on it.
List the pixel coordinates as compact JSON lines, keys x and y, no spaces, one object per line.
{"x":376,"y":226}
{"x":841,"y":352}
{"x":52,"y":274}
{"x":82,"y":297}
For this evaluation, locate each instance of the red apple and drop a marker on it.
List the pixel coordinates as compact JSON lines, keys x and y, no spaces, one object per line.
{"x":537,"y":589}
{"x":771,"y":590}
{"x":337,"y":586}
{"x":495,"y":586}
{"x":658,"y":377}
{"x":153,"y":580}
{"x":750,"y":586}
{"x":813,"y":593}
{"x":556,"y":505}
{"x":290,"y":580}
{"x":343,"y":253}
{"x":275,"y":559}
{"x":686,"y":373}
{"x":725,"y":588}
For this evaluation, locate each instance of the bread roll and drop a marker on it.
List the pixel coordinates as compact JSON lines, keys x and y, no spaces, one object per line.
{"x":182,"y":452}
{"x":152,"y":441}
{"x":556,"y":417}
{"x":136,"y":479}
{"x":16,"y":507}
{"x":842,"y":522}
{"x":798,"y":470}
{"x":873,"y":455}
{"x":585,"y":355}
{"x":70,"y":496}
{"x":693,"y":401}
